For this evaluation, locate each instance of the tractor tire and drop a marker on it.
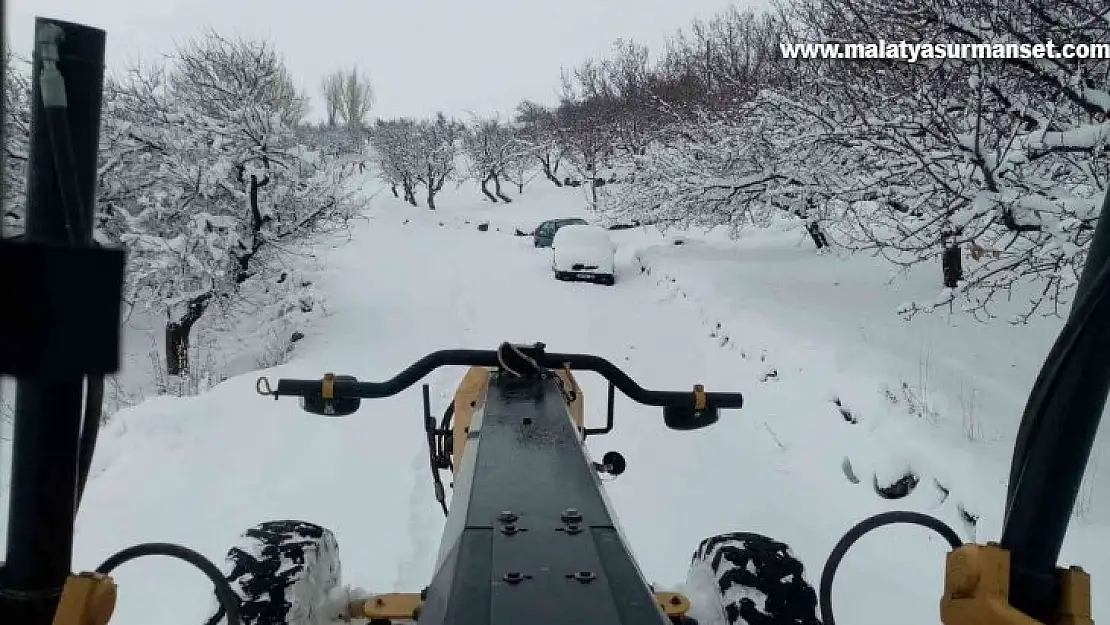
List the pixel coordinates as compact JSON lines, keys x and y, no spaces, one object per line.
{"x":284,"y":573}
{"x":749,"y":579}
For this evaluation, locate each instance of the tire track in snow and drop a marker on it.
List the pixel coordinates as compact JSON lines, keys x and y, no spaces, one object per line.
{"x":425,"y":519}
{"x":893,"y":475}
{"x":412,"y":572}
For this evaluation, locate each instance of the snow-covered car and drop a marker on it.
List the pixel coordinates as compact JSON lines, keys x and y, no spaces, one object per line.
{"x":545,"y":232}
{"x":582,"y":252}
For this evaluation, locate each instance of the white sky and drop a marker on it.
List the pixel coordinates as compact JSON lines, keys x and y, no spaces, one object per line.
{"x":422,"y":55}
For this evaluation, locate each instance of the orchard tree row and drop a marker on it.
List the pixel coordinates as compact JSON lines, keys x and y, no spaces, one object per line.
{"x":997,"y":167}
{"x":991,"y":168}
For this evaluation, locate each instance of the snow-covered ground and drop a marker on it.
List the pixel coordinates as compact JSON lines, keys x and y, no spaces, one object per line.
{"x":832,"y":378}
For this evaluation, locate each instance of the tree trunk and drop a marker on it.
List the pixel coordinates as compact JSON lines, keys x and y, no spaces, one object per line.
{"x":549,"y":171}
{"x":497,"y":189}
{"x":951,"y":266}
{"x":431,"y":197}
{"x":410,"y":193}
{"x":485,"y":191}
{"x":177,"y":336}
{"x":818,"y":236}
{"x":393,"y":188}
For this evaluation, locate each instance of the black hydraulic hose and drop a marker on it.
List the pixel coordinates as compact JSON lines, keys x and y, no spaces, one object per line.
{"x":228,"y":600}
{"x":858,"y":531}
{"x":90,"y":427}
{"x":1064,"y":415}
{"x":1098,"y":257}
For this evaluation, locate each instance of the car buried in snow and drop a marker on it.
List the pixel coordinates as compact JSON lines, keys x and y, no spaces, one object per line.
{"x":584,"y":252}
{"x":544,"y":233}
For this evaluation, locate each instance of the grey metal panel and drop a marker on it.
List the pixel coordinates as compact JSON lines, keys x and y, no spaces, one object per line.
{"x":535,"y":565}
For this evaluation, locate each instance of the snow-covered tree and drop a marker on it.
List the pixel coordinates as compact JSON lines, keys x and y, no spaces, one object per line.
{"x":538,"y":129}
{"x":17,"y":130}
{"x":224,"y":181}
{"x":1005,"y":157}
{"x":437,"y":151}
{"x":521,"y":167}
{"x":995,"y":167}
{"x":395,"y":143}
{"x":740,"y":172}
{"x":492,"y":149}
{"x":584,"y":139}
{"x":221,"y":76}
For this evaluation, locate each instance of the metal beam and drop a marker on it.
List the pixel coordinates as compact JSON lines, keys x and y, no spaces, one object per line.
{"x":533,"y":540}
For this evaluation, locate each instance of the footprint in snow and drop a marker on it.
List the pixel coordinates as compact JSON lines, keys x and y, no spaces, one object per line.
{"x":845,"y":411}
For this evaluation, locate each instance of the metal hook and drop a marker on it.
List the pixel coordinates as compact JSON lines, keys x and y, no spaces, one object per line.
{"x":262,"y":387}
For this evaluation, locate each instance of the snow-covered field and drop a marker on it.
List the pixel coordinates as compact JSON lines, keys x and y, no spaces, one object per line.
{"x":833,"y":379}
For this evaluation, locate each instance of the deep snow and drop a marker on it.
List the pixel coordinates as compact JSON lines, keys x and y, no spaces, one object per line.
{"x":761,"y":316}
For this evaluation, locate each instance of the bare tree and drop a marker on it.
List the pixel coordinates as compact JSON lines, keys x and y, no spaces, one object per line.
{"x":538,"y":128}
{"x":356,"y":96}
{"x":331,"y":89}
{"x":226,"y":78}
{"x":396,"y":145}
{"x":492,"y":148}
{"x":521,"y":167}
{"x":585,"y":138}
{"x":437,"y":153}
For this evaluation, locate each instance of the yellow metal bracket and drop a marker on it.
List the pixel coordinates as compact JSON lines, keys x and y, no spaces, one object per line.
{"x":327,"y":386}
{"x":700,"y":401}
{"x":87,"y":599}
{"x":977,"y":590}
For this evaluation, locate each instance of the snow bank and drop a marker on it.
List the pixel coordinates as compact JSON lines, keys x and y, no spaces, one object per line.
{"x":938,"y":397}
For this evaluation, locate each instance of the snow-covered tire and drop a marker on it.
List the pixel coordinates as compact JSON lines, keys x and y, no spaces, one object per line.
{"x":748,"y":579}
{"x":284,"y":573}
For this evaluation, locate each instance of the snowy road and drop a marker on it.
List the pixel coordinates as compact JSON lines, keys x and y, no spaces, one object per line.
{"x":199,"y":470}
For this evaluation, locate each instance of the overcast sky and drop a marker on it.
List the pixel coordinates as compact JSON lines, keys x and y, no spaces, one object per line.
{"x":422,"y":55}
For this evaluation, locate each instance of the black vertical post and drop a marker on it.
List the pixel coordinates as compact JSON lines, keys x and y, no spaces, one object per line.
{"x":49,"y":401}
